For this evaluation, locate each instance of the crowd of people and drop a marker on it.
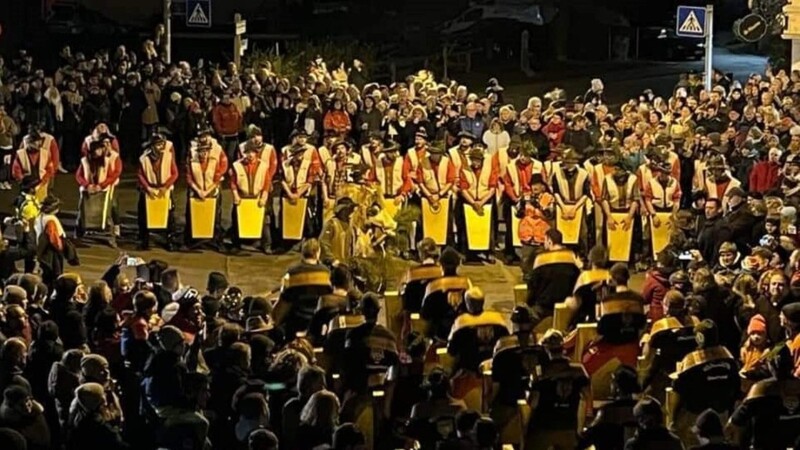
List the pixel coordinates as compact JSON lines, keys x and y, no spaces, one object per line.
{"x":699,"y":188}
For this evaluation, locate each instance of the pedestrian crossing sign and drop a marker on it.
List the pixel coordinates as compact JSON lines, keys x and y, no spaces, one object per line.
{"x":198,"y":13}
{"x":691,"y":21}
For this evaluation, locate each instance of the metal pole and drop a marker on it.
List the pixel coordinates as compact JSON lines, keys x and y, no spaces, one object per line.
{"x":168,"y":30}
{"x":709,"y":45}
{"x":237,"y":42}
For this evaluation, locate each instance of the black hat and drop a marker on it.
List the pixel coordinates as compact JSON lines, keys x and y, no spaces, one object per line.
{"x":29,"y":182}
{"x":422,"y":132}
{"x":50,"y":204}
{"x":157,"y":137}
{"x":521,"y":315}
{"x":792,"y":312}
{"x":706,"y":334}
{"x":205,"y":131}
{"x":537,"y":178}
{"x":298,"y":132}
{"x":627,"y":380}
{"x":449,"y":257}
{"x":376,"y":135}
{"x":390,"y":147}
{"x":342,"y":204}
{"x":466,"y":134}
{"x":94,"y":145}
{"x":708,"y":424}
{"x":216,"y":281}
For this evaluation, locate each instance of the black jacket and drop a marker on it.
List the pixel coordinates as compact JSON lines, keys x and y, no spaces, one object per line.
{"x":737,"y":226}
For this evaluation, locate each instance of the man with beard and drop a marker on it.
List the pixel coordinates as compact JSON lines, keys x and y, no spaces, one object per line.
{"x":570,"y":186}
{"x":416,"y":154}
{"x":459,"y":155}
{"x":621,"y":195}
{"x":251,"y":178}
{"x":477,"y":188}
{"x":719,"y":183}
{"x":206,"y":166}
{"x":436,"y":178}
{"x":157,"y":175}
{"x":100,"y":132}
{"x":738,"y":222}
{"x":36,"y":160}
{"x":708,"y":233}
{"x":99,"y":172}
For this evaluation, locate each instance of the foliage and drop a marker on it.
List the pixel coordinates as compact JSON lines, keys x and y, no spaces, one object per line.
{"x":778,"y":51}
{"x":296,"y":57}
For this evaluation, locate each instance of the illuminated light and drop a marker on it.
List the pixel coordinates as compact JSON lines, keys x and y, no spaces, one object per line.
{"x":415,"y":316}
{"x":335,"y":376}
{"x":378,"y":393}
{"x":441,"y":351}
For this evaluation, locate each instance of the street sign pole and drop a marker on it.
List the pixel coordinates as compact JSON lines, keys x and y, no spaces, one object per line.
{"x":709,"y":45}
{"x":168,"y":30}
{"x":239,"y":44}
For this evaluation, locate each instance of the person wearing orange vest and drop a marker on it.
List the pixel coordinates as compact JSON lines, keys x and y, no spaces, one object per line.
{"x":571,"y":189}
{"x":99,"y":133}
{"x":621,"y":193}
{"x":34,"y":159}
{"x":477,"y":186}
{"x":302,"y":170}
{"x":718,"y":181}
{"x":436,"y":178}
{"x":266,"y":151}
{"x":519,"y":171}
{"x":538,"y":213}
{"x":157,"y":175}
{"x":416,"y":154}
{"x":251,"y":177}
{"x":99,"y":171}
{"x":50,"y":143}
{"x":662,"y":193}
{"x":205,"y":168}
{"x":392,"y":174}
{"x":340,"y":170}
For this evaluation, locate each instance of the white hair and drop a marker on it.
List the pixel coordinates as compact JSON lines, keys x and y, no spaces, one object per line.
{"x":597,"y":85}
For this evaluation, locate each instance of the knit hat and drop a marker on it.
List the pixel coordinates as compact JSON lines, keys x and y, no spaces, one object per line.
{"x":553,"y":339}
{"x":757,"y":325}
{"x":14,"y":295}
{"x":706,"y":334}
{"x":90,"y":396}
{"x":216,"y":281}
{"x":92,"y":365}
{"x":792,"y":312}
{"x":708,"y":424}
{"x":170,"y":337}
{"x":727,"y":247}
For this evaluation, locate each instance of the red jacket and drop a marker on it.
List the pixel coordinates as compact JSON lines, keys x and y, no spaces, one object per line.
{"x":227,"y":119}
{"x":764,"y":177}
{"x":655,"y":288}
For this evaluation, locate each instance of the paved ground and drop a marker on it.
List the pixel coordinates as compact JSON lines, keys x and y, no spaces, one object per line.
{"x":253,"y":272}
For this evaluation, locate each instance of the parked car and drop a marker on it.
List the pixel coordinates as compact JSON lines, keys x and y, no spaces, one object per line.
{"x":661,"y":43}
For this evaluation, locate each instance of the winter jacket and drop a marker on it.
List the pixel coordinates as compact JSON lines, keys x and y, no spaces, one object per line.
{"x":764,"y":177}
{"x":92,"y":432}
{"x":656,"y":285}
{"x":580,"y":139}
{"x":227,"y":119}
{"x":474,"y":125}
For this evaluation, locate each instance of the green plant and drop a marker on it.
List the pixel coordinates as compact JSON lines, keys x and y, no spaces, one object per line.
{"x":296,"y":58}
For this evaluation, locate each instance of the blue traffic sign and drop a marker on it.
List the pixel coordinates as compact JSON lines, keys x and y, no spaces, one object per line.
{"x":198,"y":13}
{"x":691,"y":22}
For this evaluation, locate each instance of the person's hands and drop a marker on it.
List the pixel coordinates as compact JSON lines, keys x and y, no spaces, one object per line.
{"x":237,"y":200}
{"x":656,"y":221}
{"x":626,"y":223}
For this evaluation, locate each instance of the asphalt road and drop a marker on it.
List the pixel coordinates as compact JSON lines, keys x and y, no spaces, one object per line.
{"x":622,"y":80}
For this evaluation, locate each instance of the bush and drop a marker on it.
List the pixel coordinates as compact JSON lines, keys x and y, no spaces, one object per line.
{"x":296,"y":57}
